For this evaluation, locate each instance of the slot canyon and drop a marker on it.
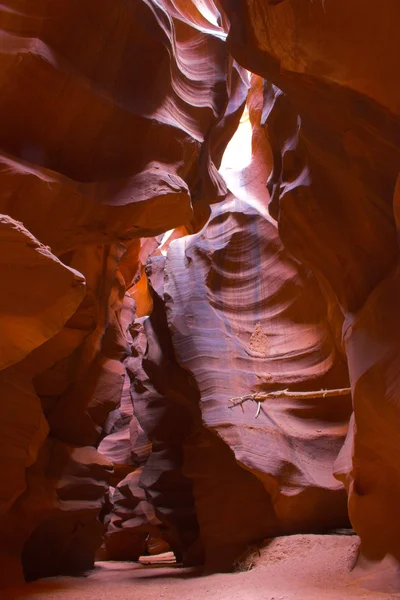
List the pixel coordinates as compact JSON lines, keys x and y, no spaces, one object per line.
{"x":200,"y":277}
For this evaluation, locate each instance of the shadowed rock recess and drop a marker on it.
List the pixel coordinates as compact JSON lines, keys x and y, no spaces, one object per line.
{"x":198,"y":203}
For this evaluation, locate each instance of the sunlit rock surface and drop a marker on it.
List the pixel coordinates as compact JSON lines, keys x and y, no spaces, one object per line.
{"x":117,"y":144}
{"x":244,"y":318}
{"x":132,"y":312}
{"x":332,"y":108}
{"x":108,"y":134}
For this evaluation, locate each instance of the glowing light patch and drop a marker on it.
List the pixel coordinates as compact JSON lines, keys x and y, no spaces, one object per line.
{"x":206,"y":12}
{"x":166,"y":237}
{"x":238,"y":153}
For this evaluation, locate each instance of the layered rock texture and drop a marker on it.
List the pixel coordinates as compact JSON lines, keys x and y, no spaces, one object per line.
{"x":108,"y":134}
{"x":155,"y":267}
{"x":245,"y":317}
{"x":332,"y":105}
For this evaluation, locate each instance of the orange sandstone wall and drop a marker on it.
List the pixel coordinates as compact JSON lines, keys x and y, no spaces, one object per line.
{"x":121,"y":347}
{"x":108,"y":134}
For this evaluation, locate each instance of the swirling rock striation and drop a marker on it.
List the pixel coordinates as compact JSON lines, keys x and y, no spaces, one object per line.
{"x":246,"y":317}
{"x":118,"y":356}
{"x":332,"y":108}
{"x":116,"y":140}
{"x":138,"y":136}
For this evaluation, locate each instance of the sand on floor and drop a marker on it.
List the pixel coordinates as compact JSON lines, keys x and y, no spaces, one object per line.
{"x":298,"y":567}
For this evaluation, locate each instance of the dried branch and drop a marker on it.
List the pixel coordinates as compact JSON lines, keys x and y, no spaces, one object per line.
{"x":261,"y":396}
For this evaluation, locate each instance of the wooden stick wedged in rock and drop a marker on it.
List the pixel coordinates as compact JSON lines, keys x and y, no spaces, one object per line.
{"x":261,"y":396}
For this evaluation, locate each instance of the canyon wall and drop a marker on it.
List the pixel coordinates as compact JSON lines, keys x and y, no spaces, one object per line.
{"x":108,"y":134}
{"x":150,"y":276}
{"x":332,"y":106}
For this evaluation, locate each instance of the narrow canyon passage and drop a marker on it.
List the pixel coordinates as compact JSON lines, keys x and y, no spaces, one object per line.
{"x":199,"y":359}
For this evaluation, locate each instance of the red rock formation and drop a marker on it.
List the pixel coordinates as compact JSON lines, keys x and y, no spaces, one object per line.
{"x":335,"y":132}
{"x":68,"y":533}
{"x":115,"y":140}
{"x":134,"y":159}
{"x":26,"y":261}
{"x":130,"y":516}
{"x":245,"y":317}
{"x":301,"y":440}
{"x":191,"y":475}
{"x":117,"y":364}
{"x":39,"y":294}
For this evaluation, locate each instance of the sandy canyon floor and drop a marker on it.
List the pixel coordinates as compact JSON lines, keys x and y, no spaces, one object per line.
{"x":300,"y":567}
